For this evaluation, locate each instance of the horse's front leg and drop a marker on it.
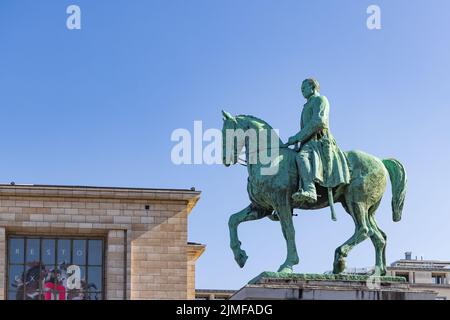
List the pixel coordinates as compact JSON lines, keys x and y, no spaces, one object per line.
{"x":246,"y":214}
{"x":287,"y":226}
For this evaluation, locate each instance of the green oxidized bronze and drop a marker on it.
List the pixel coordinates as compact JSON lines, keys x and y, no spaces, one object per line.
{"x":319,"y":158}
{"x":312,"y":176}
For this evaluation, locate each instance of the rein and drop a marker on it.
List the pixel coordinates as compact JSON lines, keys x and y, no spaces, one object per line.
{"x":244,"y":162}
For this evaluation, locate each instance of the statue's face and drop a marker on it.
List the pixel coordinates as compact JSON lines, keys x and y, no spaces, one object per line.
{"x":307,"y":89}
{"x":232,"y":146}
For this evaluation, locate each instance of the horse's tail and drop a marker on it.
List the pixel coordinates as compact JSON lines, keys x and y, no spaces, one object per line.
{"x":397,"y":174}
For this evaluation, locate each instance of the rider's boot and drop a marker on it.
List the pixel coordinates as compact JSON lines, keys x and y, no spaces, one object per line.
{"x":308,"y":194}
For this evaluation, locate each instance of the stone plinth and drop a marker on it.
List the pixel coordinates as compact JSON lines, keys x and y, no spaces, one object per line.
{"x":276,"y":286}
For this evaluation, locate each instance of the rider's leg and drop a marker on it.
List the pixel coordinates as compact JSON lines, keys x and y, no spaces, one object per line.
{"x":307,"y":189}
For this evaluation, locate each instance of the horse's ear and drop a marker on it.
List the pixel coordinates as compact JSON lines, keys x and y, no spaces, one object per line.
{"x":227,"y":116}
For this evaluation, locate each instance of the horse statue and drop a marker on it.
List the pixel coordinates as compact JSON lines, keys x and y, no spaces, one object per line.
{"x":270,"y":194}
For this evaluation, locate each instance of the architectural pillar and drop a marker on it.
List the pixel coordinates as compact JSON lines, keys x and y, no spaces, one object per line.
{"x":116,"y":265}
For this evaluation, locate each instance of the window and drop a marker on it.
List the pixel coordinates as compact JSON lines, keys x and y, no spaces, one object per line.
{"x":437,"y":279}
{"x":44,"y":268}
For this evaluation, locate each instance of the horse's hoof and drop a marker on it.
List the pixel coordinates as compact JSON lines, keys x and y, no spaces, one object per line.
{"x":378,"y":271}
{"x":241,"y":258}
{"x":339,"y":266}
{"x":285,"y":269}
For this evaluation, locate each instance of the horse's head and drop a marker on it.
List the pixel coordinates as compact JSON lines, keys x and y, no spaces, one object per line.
{"x":258,"y":137}
{"x":232,"y":144}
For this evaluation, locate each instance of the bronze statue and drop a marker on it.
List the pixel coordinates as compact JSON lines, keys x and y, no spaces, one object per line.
{"x":355,"y":179}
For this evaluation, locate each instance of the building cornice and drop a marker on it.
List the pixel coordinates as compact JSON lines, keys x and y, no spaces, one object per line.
{"x":189,"y":196}
{"x":412,"y":268}
{"x":195,"y":250}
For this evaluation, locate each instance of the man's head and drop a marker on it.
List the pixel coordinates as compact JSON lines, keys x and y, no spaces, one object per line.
{"x":310,"y":86}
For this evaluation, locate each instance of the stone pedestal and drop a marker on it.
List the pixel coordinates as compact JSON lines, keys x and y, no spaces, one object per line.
{"x":275,"y":286}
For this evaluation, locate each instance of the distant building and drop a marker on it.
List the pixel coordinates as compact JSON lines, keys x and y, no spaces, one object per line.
{"x":206,"y":294}
{"x":421,"y":274}
{"x":424,"y":274}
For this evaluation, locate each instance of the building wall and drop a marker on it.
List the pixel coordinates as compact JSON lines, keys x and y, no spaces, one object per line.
{"x":159,"y":256}
{"x":194,"y":252}
{"x":115,"y":263}
{"x":191,"y":280}
{"x":2,"y":262}
{"x":146,"y":249}
{"x":421,"y":276}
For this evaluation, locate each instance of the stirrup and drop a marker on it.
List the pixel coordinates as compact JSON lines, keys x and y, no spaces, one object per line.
{"x":304,"y":196}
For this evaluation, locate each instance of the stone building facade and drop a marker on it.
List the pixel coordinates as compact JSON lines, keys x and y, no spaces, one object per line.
{"x":73,"y":242}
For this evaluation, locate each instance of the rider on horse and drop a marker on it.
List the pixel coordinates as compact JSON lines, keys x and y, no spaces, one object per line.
{"x":319,"y":159}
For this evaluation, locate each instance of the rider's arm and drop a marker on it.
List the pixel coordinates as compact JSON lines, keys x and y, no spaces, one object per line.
{"x":316,"y":123}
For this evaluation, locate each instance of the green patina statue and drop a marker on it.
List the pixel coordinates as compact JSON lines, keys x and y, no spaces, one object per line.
{"x":319,"y":159}
{"x":314,"y":176}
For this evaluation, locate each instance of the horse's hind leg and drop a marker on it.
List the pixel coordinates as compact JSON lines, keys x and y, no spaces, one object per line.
{"x":359,"y":214}
{"x":247,"y":214}
{"x":287,"y":226}
{"x":378,"y":238}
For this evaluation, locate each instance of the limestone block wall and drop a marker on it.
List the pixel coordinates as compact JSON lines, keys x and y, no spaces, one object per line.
{"x":191,"y":280}
{"x":194,"y":252}
{"x":2,"y":262}
{"x":159,"y":256}
{"x":116,"y":265}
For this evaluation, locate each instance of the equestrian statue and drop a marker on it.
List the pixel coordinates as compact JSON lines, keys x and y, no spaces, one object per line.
{"x":312,"y":175}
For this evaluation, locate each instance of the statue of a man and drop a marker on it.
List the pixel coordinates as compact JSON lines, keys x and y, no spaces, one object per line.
{"x":319,"y":160}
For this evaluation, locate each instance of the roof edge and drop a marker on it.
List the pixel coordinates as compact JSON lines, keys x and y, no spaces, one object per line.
{"x":195,"y":250}
{"x":98,"y":192}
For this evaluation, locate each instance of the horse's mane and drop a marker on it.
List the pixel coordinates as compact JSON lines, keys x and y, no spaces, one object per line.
{"x":258,"y":121}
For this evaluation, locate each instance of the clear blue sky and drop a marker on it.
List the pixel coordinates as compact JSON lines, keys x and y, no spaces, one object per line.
{"x":97,"y":106}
